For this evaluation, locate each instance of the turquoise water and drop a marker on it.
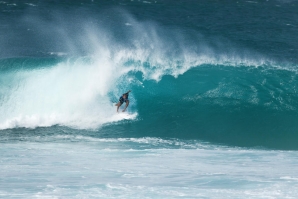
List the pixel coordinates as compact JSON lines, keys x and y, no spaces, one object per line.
{"x":212,"y":112}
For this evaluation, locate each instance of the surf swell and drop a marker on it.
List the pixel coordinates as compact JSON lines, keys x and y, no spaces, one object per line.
{"x":181,"y":89}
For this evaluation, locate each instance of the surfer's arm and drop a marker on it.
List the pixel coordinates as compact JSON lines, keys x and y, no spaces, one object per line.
{"x":127,"y":92}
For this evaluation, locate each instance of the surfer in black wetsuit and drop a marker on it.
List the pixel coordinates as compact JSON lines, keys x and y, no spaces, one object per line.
{"x":123,"y":98}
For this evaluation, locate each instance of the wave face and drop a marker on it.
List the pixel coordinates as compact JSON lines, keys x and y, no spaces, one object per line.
{"x":184,"y":84}
{"x":242,"y":106}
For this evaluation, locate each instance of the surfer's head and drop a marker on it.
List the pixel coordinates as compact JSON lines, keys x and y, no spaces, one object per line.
{"x":124,"y":96}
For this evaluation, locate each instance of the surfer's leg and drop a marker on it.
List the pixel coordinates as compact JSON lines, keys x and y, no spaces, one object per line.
{"x":127,"y":103}
{"x":118,"y":105}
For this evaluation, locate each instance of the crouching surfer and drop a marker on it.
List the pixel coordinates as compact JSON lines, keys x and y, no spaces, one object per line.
{"x":123,"y":98}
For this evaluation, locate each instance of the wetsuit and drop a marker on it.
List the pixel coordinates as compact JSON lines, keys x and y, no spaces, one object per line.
{"x":121,"y":99}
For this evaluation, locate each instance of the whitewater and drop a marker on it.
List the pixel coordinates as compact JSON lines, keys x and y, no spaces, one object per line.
{"x":84,"y":167}
{"x":212,"y":112}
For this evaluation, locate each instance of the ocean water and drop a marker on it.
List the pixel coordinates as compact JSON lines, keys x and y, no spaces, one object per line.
{"x":213,"y":107}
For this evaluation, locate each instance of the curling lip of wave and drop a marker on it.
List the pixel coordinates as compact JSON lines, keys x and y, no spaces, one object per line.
{"x":97,"y":79}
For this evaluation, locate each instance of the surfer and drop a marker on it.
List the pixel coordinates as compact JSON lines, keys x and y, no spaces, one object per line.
{"x":123,"y":98}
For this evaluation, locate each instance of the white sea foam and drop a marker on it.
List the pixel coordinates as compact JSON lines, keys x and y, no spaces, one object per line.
{"x":71,"y":93}
{"x":89,"y":171}
{"x":30,"y":4}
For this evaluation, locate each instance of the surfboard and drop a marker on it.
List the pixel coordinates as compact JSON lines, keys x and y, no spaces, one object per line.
{"x":127,"y":116}
{"x":124,"y":115}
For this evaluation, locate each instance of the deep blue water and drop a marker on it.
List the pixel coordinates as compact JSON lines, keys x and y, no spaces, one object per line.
{"x":207,"y":77}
